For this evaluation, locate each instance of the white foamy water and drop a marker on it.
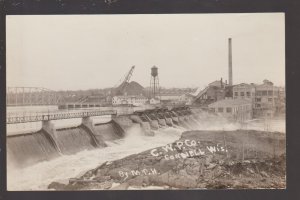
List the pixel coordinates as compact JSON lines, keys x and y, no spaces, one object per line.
{"x":212,"y":122}
{"x":267,"y":125}
{"x":39,"y":176}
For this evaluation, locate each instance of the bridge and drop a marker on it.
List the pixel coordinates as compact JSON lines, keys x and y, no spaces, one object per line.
{"x":81,"y":105}
{"x":29,"y":96}
{"x":37,"y":96}
{"x":56,"y":116}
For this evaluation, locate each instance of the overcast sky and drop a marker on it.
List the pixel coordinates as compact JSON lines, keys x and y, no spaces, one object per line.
{"x":70,"y":52}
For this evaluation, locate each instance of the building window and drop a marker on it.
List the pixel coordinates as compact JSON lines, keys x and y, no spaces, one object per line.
{"x":242,"y":94}
{"x":258,"y":93}
{"x":258,"y":99}
{"x":257,"y":105}
{"x":248,"y":94}
{"x":264,"y":93}
{"x":270,"y":92}
{"x":236,"y":94}
{"x":229,"y":110}
{"x":220,"y":109}
{"x":269,"y":99}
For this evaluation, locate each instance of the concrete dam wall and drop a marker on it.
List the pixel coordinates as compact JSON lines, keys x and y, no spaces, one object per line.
{"x":75,"y":139}
{"x":50,"y":142}
{"x":25,"y":149}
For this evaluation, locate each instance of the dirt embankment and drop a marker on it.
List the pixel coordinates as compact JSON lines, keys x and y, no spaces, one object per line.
{"x":199,"y":159}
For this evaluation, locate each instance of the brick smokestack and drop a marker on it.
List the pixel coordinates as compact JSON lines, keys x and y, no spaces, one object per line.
{"x":229,"y":62}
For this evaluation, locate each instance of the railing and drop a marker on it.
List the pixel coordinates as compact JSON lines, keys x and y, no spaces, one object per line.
{"x":57,"y":116}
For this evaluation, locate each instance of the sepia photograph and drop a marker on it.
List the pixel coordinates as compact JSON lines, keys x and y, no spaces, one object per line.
{"x":145,"y":102}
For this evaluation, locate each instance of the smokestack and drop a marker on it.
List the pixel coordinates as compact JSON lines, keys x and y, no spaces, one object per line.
{"x":221,"y":82}
{"x":229,"y":62}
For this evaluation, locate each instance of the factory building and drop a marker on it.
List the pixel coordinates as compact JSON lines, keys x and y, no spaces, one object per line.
{"x":175,"y":95}
{"x":170,"y":97}
{"x":129,"y":100}
{"x":244,"y":91}
{"x":266,"y":98}
{"x":215,"y":91}
{"x":234,"y":109}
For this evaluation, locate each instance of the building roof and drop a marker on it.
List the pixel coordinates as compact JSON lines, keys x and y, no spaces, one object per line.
{"x":169,"y":94}
{"x":244,"y":85}
{"x":129,"y":96}
{"x":188,"y":95}
{"x":230,"y":102}
{"x":218,"y":83}
{"x":174,"y":92}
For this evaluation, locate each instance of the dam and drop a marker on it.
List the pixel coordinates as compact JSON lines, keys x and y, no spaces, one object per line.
{"x":51,"y":141}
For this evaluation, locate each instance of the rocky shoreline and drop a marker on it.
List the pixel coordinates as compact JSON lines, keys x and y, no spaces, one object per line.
{"x":241,"y":159}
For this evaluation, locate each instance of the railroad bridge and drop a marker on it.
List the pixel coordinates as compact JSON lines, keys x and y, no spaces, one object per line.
{"x":37,"y":96}
{"x":31,"y":96}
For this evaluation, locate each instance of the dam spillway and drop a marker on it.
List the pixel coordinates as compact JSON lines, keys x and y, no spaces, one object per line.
{"x":108,"y":131}
{"x":73,"y":140}
{"x":25,"y":149}
{"x":50,"y":142}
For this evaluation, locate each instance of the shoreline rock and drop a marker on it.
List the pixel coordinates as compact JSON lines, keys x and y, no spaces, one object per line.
{"x":239,"y":159}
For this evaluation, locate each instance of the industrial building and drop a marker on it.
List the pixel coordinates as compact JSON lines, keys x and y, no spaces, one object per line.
{"x":129,"y":100}
{"x":215,"y":91}
{"x":244,"y":91}
{"x":174,"y":94}
{"x":234,"y":109}
{"x":266,"y":98}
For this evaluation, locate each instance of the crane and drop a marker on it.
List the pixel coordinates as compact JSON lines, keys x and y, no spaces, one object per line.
{"x":120,"y":89}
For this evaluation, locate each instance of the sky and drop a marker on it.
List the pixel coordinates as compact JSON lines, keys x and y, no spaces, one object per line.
{"x":73,"y":52}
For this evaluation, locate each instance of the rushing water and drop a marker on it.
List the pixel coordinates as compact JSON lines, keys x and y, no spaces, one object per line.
{"x":40,"y":175}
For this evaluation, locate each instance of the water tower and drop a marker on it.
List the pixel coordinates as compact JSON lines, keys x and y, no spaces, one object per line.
{"x":154,"y":83}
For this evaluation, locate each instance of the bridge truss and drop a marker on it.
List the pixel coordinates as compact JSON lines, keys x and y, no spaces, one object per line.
{"x":29,"y":96}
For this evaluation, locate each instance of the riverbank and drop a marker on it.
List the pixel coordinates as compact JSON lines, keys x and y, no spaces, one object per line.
{"x":241,"y":159}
